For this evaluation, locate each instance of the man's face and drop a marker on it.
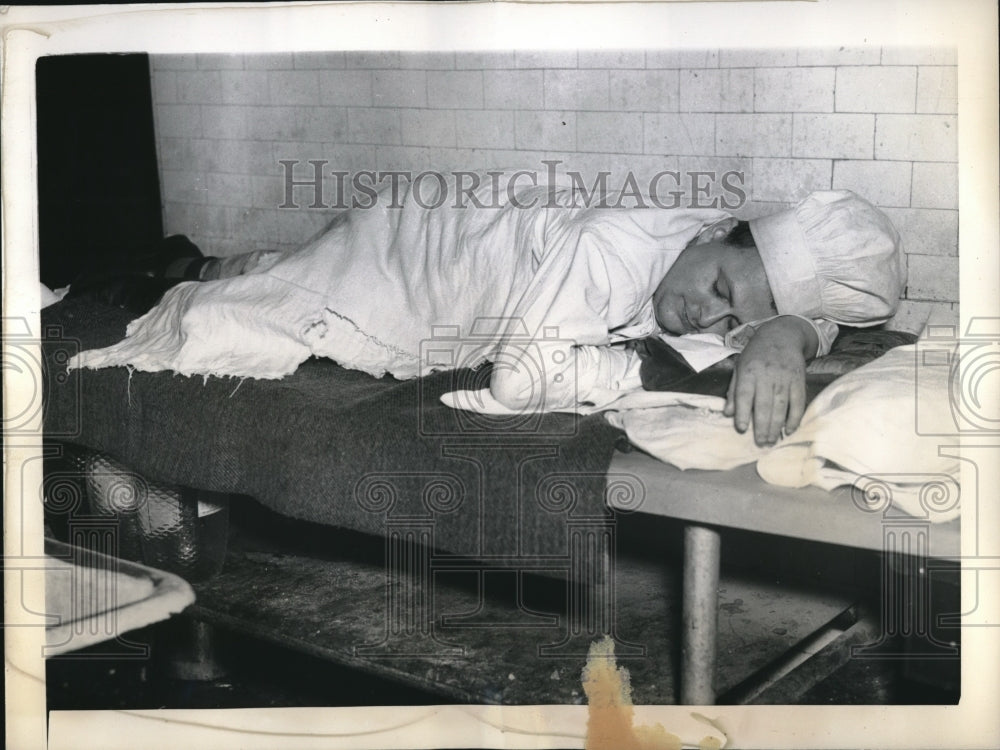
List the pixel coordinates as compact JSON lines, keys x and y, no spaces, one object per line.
{"x":713,"y":288}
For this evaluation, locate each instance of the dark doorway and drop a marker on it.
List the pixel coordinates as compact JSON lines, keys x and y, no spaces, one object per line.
{"x":98,"y":184}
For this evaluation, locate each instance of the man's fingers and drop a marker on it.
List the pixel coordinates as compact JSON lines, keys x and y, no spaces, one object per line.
{"x":743,"y":403}
{"x":763,"y":404}
{"x":729,"y":409}
{"x":796,"y":405}
{"x":779,"y":409}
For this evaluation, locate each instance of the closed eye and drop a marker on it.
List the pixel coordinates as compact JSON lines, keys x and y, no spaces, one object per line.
{"x":721,"y":288}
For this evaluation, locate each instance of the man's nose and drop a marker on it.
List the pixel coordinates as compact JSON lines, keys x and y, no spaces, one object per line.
{"x":711,"y":312}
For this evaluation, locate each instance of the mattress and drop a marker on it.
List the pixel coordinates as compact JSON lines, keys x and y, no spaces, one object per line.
{"x":336,"y":446}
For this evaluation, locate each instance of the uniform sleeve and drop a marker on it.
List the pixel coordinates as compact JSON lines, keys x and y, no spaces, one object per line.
{"x":596,"y":270}
{"x":555,"y":376}
{"x":826,"y":332}
{"x":559,"y":354}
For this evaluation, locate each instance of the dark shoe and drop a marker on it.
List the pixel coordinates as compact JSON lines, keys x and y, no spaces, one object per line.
{"x":158,"y":258}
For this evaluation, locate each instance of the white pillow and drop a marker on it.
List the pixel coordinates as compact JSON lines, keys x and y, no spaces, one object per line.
{"x":862,"y":430}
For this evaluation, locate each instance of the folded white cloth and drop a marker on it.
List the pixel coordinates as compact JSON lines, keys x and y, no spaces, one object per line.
{"x":699,"y":350}
{"x":861,"y":431}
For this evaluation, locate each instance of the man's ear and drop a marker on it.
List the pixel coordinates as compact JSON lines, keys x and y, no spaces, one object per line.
{"x":715,"y":231}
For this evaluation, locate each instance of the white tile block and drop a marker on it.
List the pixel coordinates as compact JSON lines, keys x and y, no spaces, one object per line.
{"x":399,"y":88}
{"x":682,"y":58}
{"x":621,"y":58}
{"x":427,"y":60}
{"x":346,"y":87}
{"x":184,"y":186}
{"x":164,"y":85}
{"x":576,"y":89}
{"x":834,"y":136}
{"x":644,"y":90}
{"x":789,"y":180}
{"x":679,"y":134}
{"x":488,"y":128}
{"x":229,"y":189}
{"x":455,"y":89}
{"x":244,"y":87}
{"x":935,"y":185}
{"x":729,"y":181}
{"x":876,"y":89}
{"x":711,"y":90}
{"x":513,"y":89}
{"x":378,"y":126}
{"x":926,"y":231}
{"x":545,"y":130}
{"x":174,"y":62}
{"x":427,"y":127}
{"x":413,"y":159}
{"x":224,"y":121}
{"x":843,"y":55}
{"x":916,"y":137}
{"x":884,"y":183}
{"x":323,"y":123}
{"x":911,"y":55}
{"x":309,"y":124}
{"x":269,"y":61}
{"x":932,"y":277}
{"x":757,"y":58}
{"x":178,"y":120}
{"x":231,"y":156}
{"x":937,"y":89}
{"x":271,"y":191}
{"x":484,"y":60}
{"x":371,"y":60}
{"x":220,"y":61}
{"x":753,"y":135}
{"x":294,"y":86}
{"x":319,"y":60}
{"x":793,"y":90}
{"x":545,"y":58}
{"x":609,"y":131}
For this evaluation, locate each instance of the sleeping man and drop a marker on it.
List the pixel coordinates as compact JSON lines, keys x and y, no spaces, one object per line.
{"x":546,"y":289}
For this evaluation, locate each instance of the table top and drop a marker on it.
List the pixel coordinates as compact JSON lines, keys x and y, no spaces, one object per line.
{"x":91,"y":597}
{"x":740,"y":499}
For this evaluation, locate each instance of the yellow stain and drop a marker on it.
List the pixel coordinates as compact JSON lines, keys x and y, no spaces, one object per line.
{"x":610,"y":713}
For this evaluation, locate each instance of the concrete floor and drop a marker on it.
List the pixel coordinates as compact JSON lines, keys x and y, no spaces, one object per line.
{"x":294,"y":603}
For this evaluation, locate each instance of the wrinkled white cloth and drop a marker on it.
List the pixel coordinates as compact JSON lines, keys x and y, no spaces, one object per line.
{"x":861,"y":431}
{"x":687,"y":430}
{"x":540,"y":286}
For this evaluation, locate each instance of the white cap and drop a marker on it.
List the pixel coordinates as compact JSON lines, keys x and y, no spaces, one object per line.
{"x":833,"y":256}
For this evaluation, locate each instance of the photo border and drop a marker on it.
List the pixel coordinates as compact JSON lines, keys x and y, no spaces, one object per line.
{"x":31,"y":32}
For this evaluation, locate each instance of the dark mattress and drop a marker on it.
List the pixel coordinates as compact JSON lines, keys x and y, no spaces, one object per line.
{"x":335,"y":446}
{"x":342,"y":448}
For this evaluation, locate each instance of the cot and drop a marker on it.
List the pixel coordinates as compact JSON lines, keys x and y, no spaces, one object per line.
{"x":446,"y":489}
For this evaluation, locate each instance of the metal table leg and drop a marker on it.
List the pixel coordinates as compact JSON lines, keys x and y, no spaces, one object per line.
{"x":702,"y":552}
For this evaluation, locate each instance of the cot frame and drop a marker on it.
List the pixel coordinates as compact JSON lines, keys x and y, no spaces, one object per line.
{"x":709,"y":501}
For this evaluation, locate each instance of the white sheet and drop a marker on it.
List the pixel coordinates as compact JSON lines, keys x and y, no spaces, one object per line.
{"x":409,"y":287}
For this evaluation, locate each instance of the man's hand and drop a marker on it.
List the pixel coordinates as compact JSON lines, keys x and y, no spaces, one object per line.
{"x":770,"y":379}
